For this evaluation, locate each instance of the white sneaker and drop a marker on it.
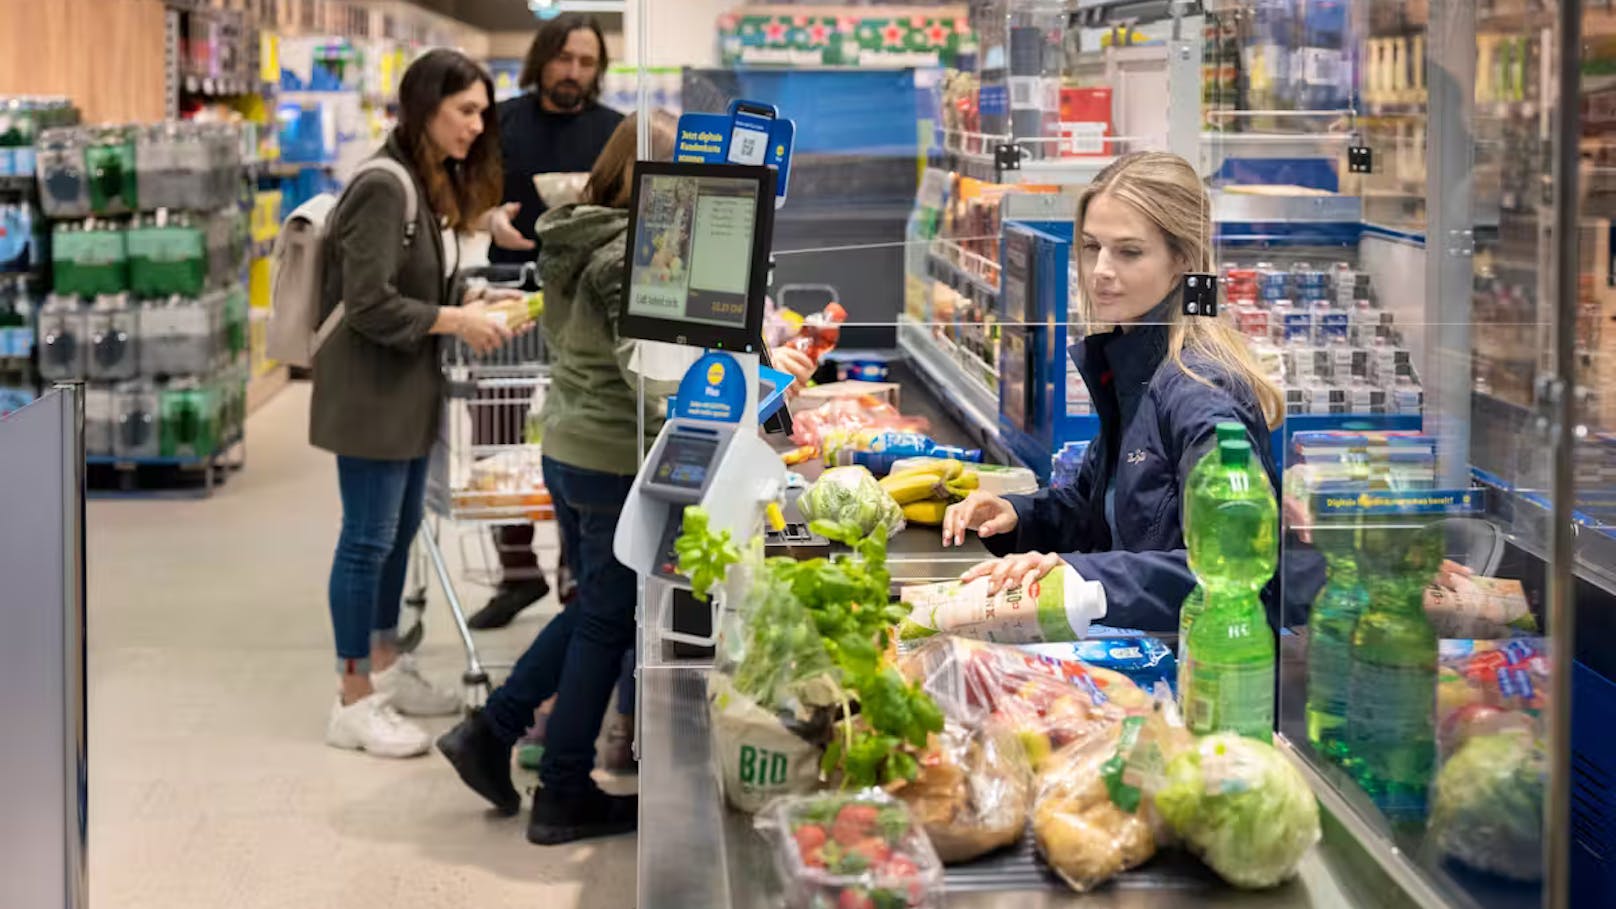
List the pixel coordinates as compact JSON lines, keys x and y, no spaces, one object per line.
{"x":411,"y":693}
{"x":371,"y":724}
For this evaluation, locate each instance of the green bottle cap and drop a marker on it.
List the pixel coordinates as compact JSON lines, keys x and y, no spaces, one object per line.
{"x":1235,"y":454}
{"x":1231,"y":432}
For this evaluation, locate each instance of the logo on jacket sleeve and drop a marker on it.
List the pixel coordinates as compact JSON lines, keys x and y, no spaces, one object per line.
{"x":1137,"y":456}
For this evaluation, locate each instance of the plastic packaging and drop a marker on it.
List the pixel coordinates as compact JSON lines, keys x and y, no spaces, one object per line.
{"x":1241,"y":806}
{"x":879,"y":450}
{"x":819,"y":332}
{"x":848,"y":414}
{"x":137,"y":419}
{"x":1488,"y":805}
{"x":1057,"y":607}
{"x":995,"y":478}
{"x":1086,"y":827}
{"x":851,"y":494}
{"x":840,"y":850}
{"x":974,"y":789}
{"x":1143,"y":660}
{"x":1048,"y":703}
{"x":64,"y":339}
{"x":1486,"y":687}
{"x":772,"y":696}
{"x":112,"y":327}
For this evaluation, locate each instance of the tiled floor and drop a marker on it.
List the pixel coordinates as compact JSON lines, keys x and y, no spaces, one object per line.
{"x":209,"y":684}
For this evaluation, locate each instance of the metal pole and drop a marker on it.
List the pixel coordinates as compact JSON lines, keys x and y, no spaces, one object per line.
{"x":76,"y":739}
{"x":1562,"y":582}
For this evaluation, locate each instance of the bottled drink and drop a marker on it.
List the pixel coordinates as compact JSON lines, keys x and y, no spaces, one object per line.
{"x":1391,"y":722}
{"x":1231,"y":527}
{"x":1195,"y":603}
{"x":820,"y":331}
{"x":1335,"y":614}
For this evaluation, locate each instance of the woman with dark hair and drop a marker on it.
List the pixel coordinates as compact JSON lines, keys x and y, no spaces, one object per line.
{"x":377,"y":384}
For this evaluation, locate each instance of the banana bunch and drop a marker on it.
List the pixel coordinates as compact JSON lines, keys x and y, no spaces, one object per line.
{"x":926,"y":492}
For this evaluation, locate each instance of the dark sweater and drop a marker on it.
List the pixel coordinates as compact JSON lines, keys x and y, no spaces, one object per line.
{"x":535,"y":141}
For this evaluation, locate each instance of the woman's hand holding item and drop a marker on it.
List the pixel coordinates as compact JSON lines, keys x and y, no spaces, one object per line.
{"x":475,"y":325}
{"x":795,"y":362}
{"x":983,"y":512}
{"x":1017,"y":570}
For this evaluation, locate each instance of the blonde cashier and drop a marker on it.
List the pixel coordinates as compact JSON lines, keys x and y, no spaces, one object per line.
{"x":1160,"y":382}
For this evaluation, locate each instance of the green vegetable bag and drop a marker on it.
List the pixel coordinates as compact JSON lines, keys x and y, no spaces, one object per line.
{"x":852,"y":495}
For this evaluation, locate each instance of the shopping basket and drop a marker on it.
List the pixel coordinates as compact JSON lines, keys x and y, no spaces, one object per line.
{"x":485,"y":466}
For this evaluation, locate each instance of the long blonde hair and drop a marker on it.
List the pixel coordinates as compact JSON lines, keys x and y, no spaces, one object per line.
{"x":1165,"y":189}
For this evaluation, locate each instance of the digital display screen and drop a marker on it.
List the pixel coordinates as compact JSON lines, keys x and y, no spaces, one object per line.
{"x":685,"y":461}
{"x":693,"y":249}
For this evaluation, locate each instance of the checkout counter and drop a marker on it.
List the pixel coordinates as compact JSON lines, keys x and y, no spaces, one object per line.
{"x":694,"y":852}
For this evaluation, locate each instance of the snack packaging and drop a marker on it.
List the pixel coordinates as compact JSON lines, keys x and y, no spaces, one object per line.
{"x":836,"y":850}
{"x":1486,"y":687}
{"x":1143,"y":659}
{"x":849,"y":414}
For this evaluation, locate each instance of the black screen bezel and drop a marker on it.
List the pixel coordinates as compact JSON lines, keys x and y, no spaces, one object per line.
{"x":745,"y":337}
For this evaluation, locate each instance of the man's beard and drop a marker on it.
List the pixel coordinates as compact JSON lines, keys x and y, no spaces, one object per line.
{"x":565,"y":95}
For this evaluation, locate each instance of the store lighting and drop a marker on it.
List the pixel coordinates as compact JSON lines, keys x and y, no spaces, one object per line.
{"x":546,"y":9}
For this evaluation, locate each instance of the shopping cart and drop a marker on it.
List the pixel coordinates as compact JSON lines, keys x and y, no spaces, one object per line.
{"x":485,"y":472}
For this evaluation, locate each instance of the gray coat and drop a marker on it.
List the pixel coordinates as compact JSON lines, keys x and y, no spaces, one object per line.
{"x":376,"y":380}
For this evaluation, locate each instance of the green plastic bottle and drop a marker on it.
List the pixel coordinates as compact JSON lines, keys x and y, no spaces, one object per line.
{"x":1391,"y":707}
{"x":1330,"y":625}
{"x":1195,"y":603}
{"x":1232,"y":529}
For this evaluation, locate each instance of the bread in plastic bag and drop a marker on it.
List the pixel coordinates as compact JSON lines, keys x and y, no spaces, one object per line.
{"x":1487,"y":804}
{"x":1241,"y":806}
{"x":973,"y":792}
{"x":851,"y":495}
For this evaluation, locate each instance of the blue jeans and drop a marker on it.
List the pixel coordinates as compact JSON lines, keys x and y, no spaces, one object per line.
{"x":578,"y":657}
{"x":381,"y":510}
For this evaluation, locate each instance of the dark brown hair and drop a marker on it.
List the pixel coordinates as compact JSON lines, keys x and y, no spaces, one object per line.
{"x":609,"y":180}
{"x":459,"y":191}
{"x":547,"y":45}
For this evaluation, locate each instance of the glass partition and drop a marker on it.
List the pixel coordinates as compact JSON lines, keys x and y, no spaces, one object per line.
{"x":1382,"y":188}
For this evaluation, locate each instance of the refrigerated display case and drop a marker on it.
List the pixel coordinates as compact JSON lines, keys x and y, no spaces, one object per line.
{"x":1413,"y":232}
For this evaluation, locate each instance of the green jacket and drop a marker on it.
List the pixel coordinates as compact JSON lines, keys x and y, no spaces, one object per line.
{"x":590,"y":410}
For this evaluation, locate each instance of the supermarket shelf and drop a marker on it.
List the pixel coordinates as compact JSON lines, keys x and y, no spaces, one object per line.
{"x":197,"y":461}
{"x":969,"y":400}
{"x":985,"y":166}
{"x":1230,"y":207}
{"x":942,"y":264}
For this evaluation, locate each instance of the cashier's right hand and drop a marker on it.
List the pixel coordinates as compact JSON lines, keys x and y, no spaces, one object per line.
{"x":482,"y":331}
{"x":983,"y":512}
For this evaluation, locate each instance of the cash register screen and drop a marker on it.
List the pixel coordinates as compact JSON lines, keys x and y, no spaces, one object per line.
{"x":700,"y":237}
{"x":685,"y":461}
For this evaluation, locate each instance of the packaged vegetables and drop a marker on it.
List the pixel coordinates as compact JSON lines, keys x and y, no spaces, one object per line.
{"x":1487,"y":805}
{"x":852,"y":851}
{"x":810,"y":645}
{"x":1240,"y":805}
{"x":851,"y":495}
{"x":1086,"y":827}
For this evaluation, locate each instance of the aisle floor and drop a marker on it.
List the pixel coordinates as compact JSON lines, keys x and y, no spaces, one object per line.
{"x":209,"y":665}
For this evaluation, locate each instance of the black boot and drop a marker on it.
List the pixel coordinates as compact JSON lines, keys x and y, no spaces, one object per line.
{"x":483,"y":762}
{"x":510,"y":599}
{"x":565,"y":817}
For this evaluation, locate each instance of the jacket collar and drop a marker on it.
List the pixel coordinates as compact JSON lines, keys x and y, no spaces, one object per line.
{"x":1117,"y":366}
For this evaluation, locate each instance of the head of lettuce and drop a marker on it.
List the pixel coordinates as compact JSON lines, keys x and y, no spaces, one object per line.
{"x":1242,"y":807}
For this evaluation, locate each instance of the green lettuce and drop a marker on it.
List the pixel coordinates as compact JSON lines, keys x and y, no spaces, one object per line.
{"x":1487,"y":808}
{"x":1242,"y":807}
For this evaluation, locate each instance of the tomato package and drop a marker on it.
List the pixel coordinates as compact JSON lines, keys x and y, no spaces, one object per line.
{"x":858,"y":850}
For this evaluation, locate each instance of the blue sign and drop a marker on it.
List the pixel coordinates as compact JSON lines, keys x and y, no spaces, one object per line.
{"x":713,"y":388}
{"x":750,"y":133}
{"x":1407,"y":502}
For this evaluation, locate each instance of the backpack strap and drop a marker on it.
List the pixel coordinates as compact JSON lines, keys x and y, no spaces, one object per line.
{"x":407,"y":182}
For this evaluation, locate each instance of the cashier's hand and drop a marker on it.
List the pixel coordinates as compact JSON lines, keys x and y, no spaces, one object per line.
{"x":983,"y":512}
{"x":795,"y":362}
{"x":1017,"y":570}
{"x":505,"y":234}
{"x":1450,"y":574}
